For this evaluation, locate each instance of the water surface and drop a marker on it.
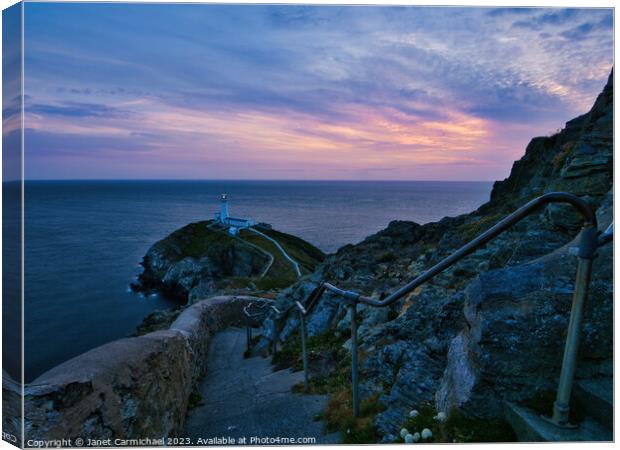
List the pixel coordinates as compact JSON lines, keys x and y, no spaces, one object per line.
{"x":85,"y":239}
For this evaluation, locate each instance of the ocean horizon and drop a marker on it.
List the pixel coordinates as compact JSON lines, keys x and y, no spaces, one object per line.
{"x":85,"y":240}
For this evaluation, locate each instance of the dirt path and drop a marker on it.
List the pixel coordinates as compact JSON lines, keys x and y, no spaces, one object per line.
{"x":245,"y":398}
{"x":286,"y":255}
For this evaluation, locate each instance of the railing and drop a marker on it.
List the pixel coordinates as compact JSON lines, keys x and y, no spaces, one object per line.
{"x":590,"y":240}
{"x":255,"y":313}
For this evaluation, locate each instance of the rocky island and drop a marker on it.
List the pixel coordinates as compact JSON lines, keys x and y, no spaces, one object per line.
{"x":202,"y":259}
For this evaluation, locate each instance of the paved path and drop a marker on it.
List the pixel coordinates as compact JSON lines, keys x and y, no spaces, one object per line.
{"x":277,"y":244}
{"x":245,"y":398}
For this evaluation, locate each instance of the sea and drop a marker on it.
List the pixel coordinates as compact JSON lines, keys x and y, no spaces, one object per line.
{"x":84,"y":241}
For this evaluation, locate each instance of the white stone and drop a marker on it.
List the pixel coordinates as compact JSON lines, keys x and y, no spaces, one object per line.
{"x":416,"y":437}
{"x":441,"y":417}
{"x":426,"y":433}
{"x":414,"y":413}
{"x":409,"y":439}
{"x":404,"y":432}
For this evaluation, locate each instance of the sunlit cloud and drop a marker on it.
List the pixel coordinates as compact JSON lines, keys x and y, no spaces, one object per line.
{"x":206,"y":91}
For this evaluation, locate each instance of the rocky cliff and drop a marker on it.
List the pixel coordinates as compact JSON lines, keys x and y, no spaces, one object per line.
{"x":202,"y":259}
{"x":492,"y":327}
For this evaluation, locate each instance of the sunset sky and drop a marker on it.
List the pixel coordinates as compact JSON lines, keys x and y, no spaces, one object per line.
{"x":302,"y":92}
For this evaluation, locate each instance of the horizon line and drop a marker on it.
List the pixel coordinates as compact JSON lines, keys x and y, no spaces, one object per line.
{"x":248,"y":179}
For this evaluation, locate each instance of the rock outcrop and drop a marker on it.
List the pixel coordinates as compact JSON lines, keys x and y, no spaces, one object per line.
{"x":464,"y":341}
{"x":194,"y":258}
{"x":201,"y":260}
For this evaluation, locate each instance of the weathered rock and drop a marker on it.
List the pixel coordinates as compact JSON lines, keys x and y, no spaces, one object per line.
{"x":188,"y":263}
{"x":464,"y":340}
{"x":511,"y":311}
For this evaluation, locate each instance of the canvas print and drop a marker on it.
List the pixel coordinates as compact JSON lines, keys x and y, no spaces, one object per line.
{"x":244,"y":224}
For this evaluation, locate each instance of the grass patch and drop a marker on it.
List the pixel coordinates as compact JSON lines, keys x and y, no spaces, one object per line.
{"x":328,"y":343}
{"x":268,"y":283}
{"x":306,"y":254}
{"x":281,"y":269}
{"x":354,"y":430}
{"x":469,"y":231}
{"x":195,"y":240}
{"x":560,"y":158}
{"x":338,"y":414}
{"x":387,"y":257}
{"x":458,"y":428}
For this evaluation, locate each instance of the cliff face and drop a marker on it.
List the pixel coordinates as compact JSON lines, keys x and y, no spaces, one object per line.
{"x":492,"y":327}
{"x":193,"y":258}
{"x":202,"y":259}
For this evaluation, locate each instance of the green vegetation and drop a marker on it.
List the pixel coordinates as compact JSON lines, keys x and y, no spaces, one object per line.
{"x":354,"y":430}
{"x":562,"y":155}
{"x":338,"y":414}
{"x":307,"y":255}
{"x":281,"y":273}
{"x":457,"y":427}
{"x":387,"y":257}
{"x":542,"y":403}
{"x":471,"y":230}
{"x":207,"y":238}
{"x":328,"y":345}
{"x":195,"y":240}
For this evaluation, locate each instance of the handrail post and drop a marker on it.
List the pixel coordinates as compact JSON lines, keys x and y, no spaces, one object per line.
{"x":304,"y":350}
{"x":275,"y":337}
{"x":587,"y":253}
{"x":354,"y":368}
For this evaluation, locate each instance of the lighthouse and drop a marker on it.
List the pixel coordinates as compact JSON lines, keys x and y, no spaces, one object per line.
{"x":224,"y":208}
{"x":233,"y":224}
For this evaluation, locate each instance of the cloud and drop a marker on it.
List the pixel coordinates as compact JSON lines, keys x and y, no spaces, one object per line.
{"x":76,"y":109}
{"x":579,"y":32}
{"x":398,"y":85}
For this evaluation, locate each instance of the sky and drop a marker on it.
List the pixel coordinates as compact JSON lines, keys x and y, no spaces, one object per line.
{"x":301,"y":92}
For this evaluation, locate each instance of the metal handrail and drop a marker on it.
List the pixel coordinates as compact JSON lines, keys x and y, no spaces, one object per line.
{"x":606,"y":236}
{"x":264,"y":306}
{"x":590,"y":240}
{"x":510,"y":220}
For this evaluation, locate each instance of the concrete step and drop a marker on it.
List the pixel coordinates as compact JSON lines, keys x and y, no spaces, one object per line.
{"x":596,"y":398}
{"x":529,"y":426}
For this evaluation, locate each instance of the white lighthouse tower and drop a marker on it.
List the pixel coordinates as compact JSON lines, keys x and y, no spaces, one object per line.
{"x":234,"y":224}
{"x":224,"y":208}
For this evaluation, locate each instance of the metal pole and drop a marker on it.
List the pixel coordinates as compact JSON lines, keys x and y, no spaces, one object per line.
{"x":304,"y":350}
{"x":275,"y":337}
{"x":587,"y":253}
{"x":354,"y":371}
{"x":247,"y":336}
{"x":569,"y":362}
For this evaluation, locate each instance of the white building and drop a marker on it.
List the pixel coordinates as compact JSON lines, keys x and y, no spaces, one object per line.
{"x":234,"y":224}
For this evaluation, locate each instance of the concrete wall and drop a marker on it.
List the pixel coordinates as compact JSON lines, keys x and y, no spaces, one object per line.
{"x":130,"y":388}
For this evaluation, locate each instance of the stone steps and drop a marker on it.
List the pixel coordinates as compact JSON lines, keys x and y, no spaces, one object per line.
{"x":593,"y":397}
{"x":596,"y":398}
